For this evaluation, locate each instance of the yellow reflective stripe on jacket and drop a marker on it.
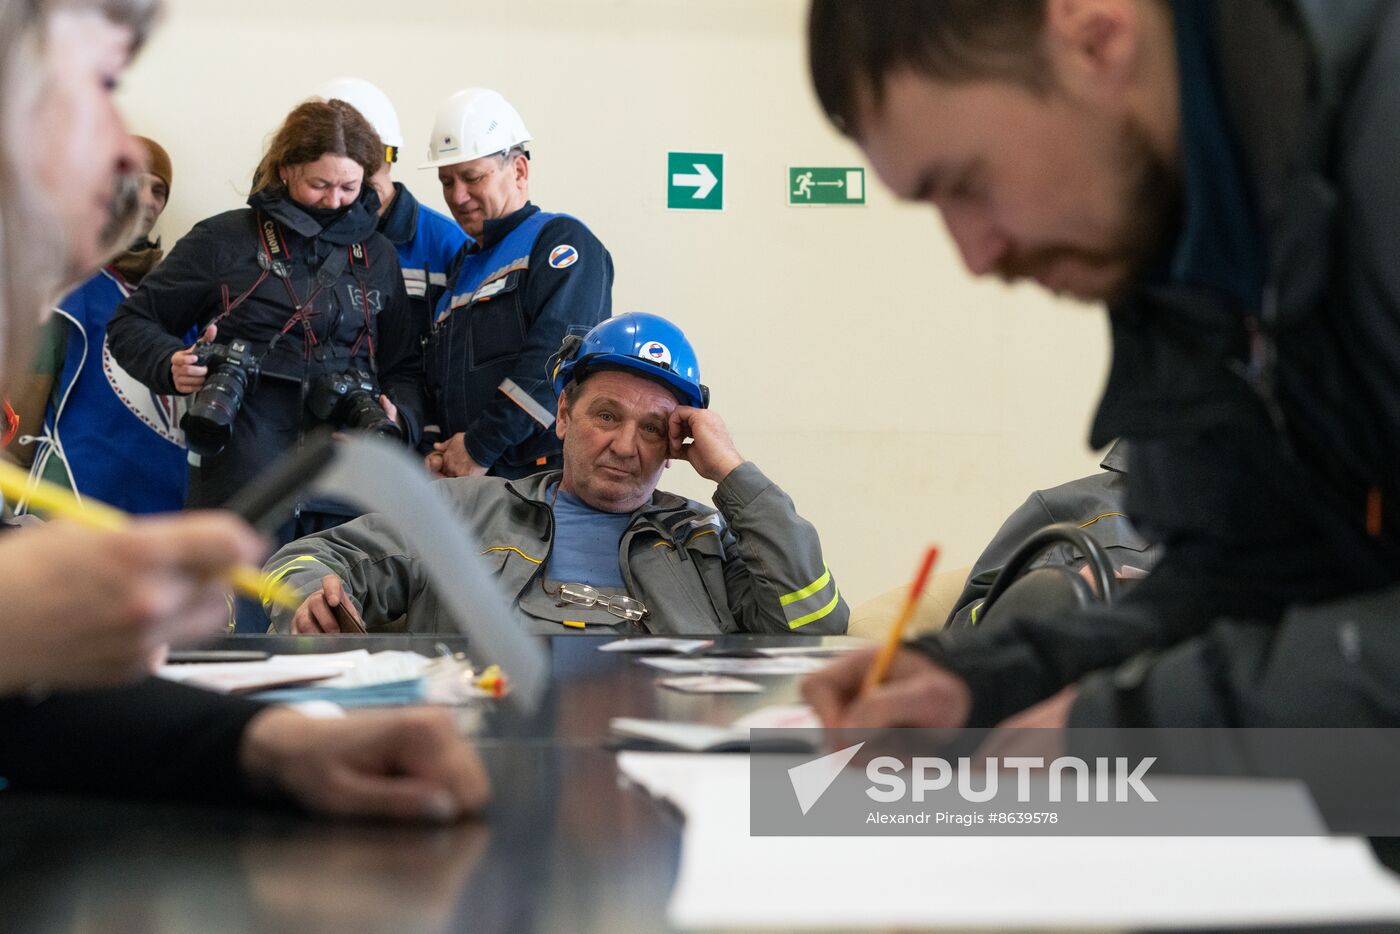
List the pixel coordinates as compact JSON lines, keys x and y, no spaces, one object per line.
{"x":816,"y":585}
{"x":819,"y":614}
{"x":514,"y":549}
{"x":810,"y":603}
{"x":296,"y":564}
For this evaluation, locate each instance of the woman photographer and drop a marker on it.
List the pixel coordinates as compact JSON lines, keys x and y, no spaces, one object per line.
{"x":302,"y":306}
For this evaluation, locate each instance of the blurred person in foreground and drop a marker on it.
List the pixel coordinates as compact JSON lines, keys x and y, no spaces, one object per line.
{"x":85,"y":611}
{"x":1223,"y":176}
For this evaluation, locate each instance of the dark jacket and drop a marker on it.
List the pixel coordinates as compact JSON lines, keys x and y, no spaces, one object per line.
{"x":1093,"y":503}
{"x":1265,"y":440}
{"x":149,"y":740}
{"x":362,"y":304}
{"x":511,"y":300}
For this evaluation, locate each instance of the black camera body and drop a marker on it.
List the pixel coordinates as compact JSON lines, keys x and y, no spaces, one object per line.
{"x":350,"y":400}
{"x":233,"y":370}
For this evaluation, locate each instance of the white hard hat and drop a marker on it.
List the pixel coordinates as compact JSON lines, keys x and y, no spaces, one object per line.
{"x":473,"y":123}
{"x":372,"y":103}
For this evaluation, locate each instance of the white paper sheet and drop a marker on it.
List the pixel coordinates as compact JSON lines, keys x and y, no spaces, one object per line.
{"x":275,"y":671}
{"x":657,"y":644}
{"x":817,"y":651}
{"x":730,"y":879}
{"x":710,"y":684}
{"x":702,"y":737}
{"x":723,"y":665}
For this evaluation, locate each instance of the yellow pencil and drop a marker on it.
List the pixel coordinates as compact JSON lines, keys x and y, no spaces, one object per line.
{"x":883,"y":660}
{"x":17,"y":485}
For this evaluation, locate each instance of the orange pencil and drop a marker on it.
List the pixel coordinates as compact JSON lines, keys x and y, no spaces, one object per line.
{"x":881,"y":667}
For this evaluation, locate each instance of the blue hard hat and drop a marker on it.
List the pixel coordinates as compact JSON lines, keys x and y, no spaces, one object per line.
{"x":648,"y":344}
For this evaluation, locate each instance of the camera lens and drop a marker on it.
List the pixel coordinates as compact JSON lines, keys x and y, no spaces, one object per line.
{"x":208,"y":424}
{"x":350,"y":400}
{"x":366,"y":415}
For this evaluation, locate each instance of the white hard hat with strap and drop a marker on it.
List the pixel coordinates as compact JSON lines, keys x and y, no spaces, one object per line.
{"x":473,"y":123}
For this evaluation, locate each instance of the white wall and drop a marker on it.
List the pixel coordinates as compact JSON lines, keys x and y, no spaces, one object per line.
{"x":896,"y":399}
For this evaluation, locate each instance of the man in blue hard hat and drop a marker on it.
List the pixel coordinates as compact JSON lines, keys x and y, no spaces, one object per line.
{"x":596,"y":545}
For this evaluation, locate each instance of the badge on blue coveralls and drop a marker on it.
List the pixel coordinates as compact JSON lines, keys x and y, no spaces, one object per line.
{"x":563,"y":256}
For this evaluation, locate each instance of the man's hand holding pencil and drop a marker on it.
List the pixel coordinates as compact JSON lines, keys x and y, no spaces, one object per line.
{"x":916,"y":693}
{"x":892,"y":685}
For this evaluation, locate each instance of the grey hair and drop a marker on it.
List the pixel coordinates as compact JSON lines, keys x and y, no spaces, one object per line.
{"x":33,"y":248}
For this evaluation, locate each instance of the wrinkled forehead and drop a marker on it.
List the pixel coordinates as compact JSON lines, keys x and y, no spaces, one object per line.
{"x":637,"y":394}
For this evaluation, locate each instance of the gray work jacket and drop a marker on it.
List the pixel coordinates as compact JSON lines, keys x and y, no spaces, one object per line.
{"x":754,"y":565}
{"x":1093,"y":503}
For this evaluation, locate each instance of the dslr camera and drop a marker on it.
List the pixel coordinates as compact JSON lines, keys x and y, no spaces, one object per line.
{"x":350,"y":400}
{"x":208,"y":424}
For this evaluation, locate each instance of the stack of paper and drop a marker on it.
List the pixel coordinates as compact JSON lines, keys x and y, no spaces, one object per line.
{"x":388,"y":694}
{"x":276,"y":671}
{"x":350,"y":679}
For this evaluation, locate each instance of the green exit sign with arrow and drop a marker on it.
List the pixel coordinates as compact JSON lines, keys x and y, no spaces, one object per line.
{"x":695,"y":181}
{"x":809,"y":184}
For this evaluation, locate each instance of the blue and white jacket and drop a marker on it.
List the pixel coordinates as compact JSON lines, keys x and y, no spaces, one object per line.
{"x":515,"y":294}
{"x":427,"y":242}
{"x":119,"y":441}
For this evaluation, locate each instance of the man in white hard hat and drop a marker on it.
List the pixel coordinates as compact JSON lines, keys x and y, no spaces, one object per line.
{"x":528,"y":280}
{"x":427,"y":240}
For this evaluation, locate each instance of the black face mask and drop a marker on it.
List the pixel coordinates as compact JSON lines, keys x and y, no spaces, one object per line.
{"x":325,"y":216}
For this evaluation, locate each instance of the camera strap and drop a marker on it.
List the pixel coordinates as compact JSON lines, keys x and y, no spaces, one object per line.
{"x":264,"y":264}
{"x":274,"y":258}
{"x":274,"y":255}
{"x":366,"y":335}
